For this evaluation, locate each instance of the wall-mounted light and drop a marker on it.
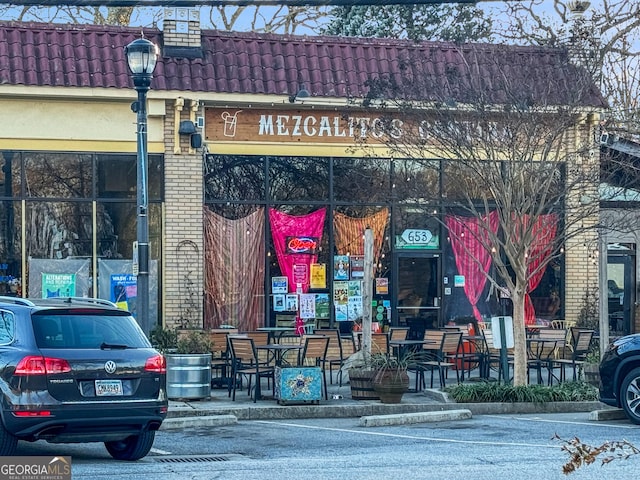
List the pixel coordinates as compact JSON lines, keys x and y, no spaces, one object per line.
{"x":187,"y":127}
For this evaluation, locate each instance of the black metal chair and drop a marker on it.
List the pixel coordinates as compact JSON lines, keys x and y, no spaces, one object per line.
{"x":245,"y":362}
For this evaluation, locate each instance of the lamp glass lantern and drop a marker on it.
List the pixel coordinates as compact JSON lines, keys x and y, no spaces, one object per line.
{"x":142,"y":56}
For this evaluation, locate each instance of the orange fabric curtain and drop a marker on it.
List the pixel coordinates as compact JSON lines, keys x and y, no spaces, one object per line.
{"x":349,"y":232}
{"x":234,"y":271}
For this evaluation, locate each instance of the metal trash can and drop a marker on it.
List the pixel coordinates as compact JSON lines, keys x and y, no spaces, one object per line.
{"x":188,"y":376}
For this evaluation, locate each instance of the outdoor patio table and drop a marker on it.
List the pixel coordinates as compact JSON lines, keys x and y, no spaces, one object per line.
{"x":278,"y":350}
{"x":276,"y":333}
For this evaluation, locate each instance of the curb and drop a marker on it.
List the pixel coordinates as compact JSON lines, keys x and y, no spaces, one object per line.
{"x":410,"y":418}
{"x":198,"y":421}
{"x":372,"y":408}
{"x":608,"y":414}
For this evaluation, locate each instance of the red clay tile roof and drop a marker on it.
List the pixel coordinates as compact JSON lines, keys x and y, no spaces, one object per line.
{"x":93,"y":56}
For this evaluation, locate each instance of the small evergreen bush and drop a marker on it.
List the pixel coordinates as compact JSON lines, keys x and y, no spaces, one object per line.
{"x":494,"y":392}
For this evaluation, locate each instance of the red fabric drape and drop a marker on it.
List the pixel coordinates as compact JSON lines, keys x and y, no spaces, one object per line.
{"x":543,"y":234}
{"x":349,"y":232}
{"x":283,"y":226}
{"x":234,"y":270}
{"x":468,"y":239}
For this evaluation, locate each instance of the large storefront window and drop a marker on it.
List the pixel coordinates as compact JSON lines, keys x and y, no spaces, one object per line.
{"x":65,"y":201}
{"x":276,"y":241}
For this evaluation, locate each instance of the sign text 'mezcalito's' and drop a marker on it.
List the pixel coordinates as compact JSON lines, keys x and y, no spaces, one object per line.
{"x":259,"y":125}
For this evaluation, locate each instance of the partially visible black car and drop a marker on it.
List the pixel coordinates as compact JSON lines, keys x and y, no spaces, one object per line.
{"x":620,"y":376}
{"x":78,"y":370}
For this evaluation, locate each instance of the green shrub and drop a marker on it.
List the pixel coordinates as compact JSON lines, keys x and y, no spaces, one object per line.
{"x":494,"y":392}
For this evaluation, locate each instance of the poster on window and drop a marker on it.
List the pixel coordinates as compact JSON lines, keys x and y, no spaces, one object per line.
{"x":355,"y":288}
{"x":307,"y":306}
{"x":279,"y":285}
{"x":124,"y":289}
{"x":341,"y":267}
{"x":318,"y":276}
{"x":357,"y":266}
{"x":382,"y":286}
{"x":340,"y":293}
{"x":58,"y":285}
{"x":322,"y":305}
{"x":278,"y":302}
{"x":342,"y":314}
{"x":291,"y":302}
{"x":354,"y":310}
{"x":300,"y":275}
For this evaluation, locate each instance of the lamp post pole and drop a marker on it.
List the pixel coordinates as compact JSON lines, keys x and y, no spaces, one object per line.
{"x":141,"y":57}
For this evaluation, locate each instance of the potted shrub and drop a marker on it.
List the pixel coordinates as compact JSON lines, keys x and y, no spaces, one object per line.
{"x":188,"y":357}
{"x":390,"y":380}
{"x":361,"y":372}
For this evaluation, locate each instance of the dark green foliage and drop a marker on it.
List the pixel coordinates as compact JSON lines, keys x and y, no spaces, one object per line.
{"x":457,"y":23}
{"x":164,"y":339}
{"x":494,"y":392}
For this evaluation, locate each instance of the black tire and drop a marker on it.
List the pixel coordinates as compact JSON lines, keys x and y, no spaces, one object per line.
{"x":8,"y":443}
{"x":131,"y":448}
{"x":630,"y":395}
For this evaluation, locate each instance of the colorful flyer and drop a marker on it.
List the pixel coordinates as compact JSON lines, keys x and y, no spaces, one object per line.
{"x":341,"y":267}
{"x":300,"y":275}
{"x":318,"y":276}
{"x":341,"y":313}
{"x":355,"y":288}
{"x":58,"y":285}
{"x":382,"y":286}
{"x":291,"y":302}
{"x":322,"y":305}
{"x":357,"y":266}
{"x":355,"y":308}
{"x":307,"y":305}
{"x":340,"y":293}
{"x":124,"y":288}
{"x":279,"y":285}
{"x":278,"y":303}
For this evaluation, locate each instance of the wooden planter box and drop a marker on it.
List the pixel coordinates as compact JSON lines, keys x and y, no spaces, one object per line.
{"x":298,"y":384}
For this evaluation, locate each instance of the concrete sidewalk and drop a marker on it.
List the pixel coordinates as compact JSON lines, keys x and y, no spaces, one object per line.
{"x":221,"y":410}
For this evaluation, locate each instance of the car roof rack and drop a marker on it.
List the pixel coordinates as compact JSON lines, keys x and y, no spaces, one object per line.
{"x":96,"y":301}
{"x":17,"y":301}
{"x":70,"y":300}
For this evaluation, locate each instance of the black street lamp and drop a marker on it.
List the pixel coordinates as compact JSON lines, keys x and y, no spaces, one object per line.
{"x":142,"y":56}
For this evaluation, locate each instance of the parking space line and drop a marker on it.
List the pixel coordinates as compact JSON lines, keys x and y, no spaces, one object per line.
{"x":410,"y":437}
{"x":590,"y":424}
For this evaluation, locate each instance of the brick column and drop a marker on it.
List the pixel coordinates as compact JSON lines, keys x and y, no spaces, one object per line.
{"x":183,"y":240}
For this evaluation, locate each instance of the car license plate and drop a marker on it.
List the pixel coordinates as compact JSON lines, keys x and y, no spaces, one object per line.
{"x":108,"y":388}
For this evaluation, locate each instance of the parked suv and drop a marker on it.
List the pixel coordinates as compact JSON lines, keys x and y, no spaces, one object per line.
{"x":78,"y":370}
{"x":620,"y":376}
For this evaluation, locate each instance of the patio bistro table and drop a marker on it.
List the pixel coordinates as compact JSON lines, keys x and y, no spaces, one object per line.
{"x":278,"y":350}
{"x":276,"y":333}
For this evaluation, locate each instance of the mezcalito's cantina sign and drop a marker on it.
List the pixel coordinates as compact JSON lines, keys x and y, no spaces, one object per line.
{"x":301,"y":126}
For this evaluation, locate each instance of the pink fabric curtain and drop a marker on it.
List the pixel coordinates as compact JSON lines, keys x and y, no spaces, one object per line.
{"x":234,"y":271}
{"x":468,"y":240}
{"x":283,"y":226}
{"x":543,"y":233}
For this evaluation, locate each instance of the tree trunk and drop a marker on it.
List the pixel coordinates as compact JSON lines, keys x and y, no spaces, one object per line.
{"x":519,"y":337}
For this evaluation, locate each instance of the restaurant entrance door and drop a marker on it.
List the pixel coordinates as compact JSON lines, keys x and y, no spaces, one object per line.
{"x":418,"y":294}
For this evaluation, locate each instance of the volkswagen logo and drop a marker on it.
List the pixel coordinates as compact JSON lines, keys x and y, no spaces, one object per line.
{"x":110,"y":366}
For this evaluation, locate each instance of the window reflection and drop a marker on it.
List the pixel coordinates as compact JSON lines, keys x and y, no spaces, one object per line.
{"x":117,"y":176}
{"x":234,"y":177}
{"x":58,"y":175}
{"x":416,"y":180}
{"x":299,"y":178}
{"x":356,"y":179}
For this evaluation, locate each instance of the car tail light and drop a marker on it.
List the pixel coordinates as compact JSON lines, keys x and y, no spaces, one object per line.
{"x":33,"y":413}
{"x":156,"y":364}
{"x":38,"y":365}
